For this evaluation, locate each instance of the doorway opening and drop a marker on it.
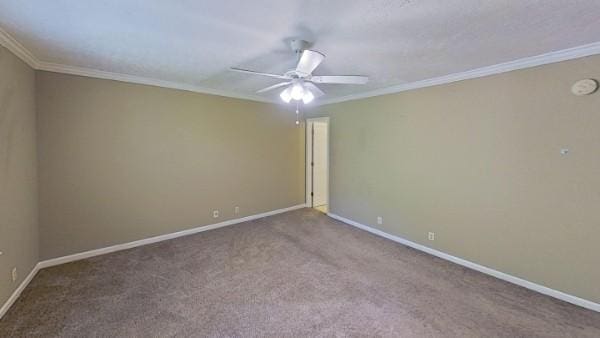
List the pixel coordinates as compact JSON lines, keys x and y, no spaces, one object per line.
{"x":317,"y":163}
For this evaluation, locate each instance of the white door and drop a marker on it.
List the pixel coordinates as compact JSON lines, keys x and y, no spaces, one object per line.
{"x":320,"y":162}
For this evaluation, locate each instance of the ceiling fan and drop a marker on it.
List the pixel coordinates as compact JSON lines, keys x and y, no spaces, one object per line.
{"x":300,"y":82}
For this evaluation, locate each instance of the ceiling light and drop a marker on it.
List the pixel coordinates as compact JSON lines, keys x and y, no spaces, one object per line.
{"x":297,"y":91}
{"x":286,"y":95}
{"x":308,"y":96}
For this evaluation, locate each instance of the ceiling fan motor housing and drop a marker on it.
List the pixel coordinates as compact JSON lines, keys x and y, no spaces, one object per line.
{"x":299,"y":45}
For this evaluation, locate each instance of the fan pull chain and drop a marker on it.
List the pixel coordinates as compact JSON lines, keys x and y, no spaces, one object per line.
{"x":297,"y":113}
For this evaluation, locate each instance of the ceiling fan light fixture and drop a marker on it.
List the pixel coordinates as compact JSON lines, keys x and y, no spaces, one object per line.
{"x":299,"y":82}
{"x":286,"y":95}
{"x":297,"y":92}
{"x":308,"y":96}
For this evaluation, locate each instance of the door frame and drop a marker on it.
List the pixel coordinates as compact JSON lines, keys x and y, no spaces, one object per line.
{"x":308,"y":158}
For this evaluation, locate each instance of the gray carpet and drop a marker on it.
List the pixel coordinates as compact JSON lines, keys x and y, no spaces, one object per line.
{"x":295,"y":274}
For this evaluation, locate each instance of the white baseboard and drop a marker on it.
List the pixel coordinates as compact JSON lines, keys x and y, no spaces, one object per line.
{"x":11,"y":300}
{"x":129,"y":245}
{"x":119,"y":247}
{"x":501,"y":275}
{"x":488,"y":271}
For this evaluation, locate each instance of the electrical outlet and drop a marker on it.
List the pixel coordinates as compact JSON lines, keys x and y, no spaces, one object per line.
{"x":379,"y":220}
{"x":14,"y":274}
{"x":215,"y":213}
{"x":431,"y":236}
{"x":237,"y":210}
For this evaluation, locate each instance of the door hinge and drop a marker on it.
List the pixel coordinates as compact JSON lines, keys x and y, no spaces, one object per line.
{"x":312,"y":164}
{"x":312,"y":193}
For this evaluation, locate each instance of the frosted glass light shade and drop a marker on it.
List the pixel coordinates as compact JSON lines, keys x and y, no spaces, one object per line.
{"x":286,"y":95}
{"x":297,"y":91}
{"x":308,"y":96}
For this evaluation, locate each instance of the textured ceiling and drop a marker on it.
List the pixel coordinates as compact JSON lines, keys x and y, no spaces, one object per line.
{"x":393,"y":42}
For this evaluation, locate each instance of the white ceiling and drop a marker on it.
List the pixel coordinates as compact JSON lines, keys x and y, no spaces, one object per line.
{"x":194,"y":42}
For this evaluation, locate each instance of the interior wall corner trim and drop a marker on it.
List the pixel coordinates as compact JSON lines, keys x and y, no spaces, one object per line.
{"x":477,"y":267}
{"x":523,"y":63}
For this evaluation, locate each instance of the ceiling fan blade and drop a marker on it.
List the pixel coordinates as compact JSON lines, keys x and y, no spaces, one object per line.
{"x":309,"y":61}
{"x":342,"y":79}
{"x":240,"y":70}
{"x":314,"y":89}
{"x":281,"y":84}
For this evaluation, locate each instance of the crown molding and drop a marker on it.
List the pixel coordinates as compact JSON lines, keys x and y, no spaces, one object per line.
{"x":94,"y":73}
{"x":528,"y":62}
{"x":18,"y":49}
{"x":562,"y":55}
{"x":26,"y":56}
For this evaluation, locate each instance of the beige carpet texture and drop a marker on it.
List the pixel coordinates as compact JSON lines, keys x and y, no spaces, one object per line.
{"x":296,"y":274}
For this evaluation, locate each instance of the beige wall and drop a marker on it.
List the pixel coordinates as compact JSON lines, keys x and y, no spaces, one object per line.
{"x":18,"y":176}
{"x":120,"y":162}
{"x":478,"y":162}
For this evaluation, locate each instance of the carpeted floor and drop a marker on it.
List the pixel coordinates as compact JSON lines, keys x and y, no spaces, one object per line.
{"x":295,"y":274}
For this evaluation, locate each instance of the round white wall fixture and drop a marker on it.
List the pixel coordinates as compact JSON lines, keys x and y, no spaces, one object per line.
{"x":584,"y":87}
